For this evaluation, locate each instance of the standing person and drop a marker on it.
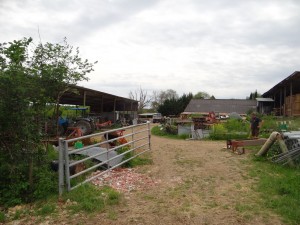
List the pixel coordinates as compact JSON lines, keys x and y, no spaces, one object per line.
{"x":255,"y":125}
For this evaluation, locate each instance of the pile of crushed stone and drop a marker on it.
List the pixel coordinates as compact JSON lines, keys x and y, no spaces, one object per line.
{"x":124,"y":180}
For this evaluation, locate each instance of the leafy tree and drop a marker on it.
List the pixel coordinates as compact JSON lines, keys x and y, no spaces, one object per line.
{"x":168,"y":94}
{"x":28,"y":81}
{"x":202,"y":95}
{"x":159,"y":97}
{"x":59,"y":67}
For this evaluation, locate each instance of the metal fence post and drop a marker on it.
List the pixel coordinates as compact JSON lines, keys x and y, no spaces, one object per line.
{"x":66,"y":164}
{"x":132,"y":137}
{"x":61,"y":182}
{"x":149,"y":134}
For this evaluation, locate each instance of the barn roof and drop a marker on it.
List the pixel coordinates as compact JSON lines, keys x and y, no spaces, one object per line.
{"x":97,"y":100}
{"x":240,"y":106}
{"x":291,"y":81}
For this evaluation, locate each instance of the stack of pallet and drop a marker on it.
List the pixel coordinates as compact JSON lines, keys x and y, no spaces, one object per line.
{"x":292,"y":105}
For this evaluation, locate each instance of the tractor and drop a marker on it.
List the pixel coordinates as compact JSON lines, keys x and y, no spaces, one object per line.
{"x":84,"y":122}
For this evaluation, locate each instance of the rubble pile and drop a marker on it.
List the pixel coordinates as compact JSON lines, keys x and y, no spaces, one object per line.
{"x":124,"y":180}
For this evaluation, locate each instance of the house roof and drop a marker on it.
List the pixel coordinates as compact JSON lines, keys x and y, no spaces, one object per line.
{"x":240,"y":106}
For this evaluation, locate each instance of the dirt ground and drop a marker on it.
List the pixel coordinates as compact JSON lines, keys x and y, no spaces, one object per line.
{"x":197,"y":182}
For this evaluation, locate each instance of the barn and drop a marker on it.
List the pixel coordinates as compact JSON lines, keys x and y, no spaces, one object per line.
{"x":109,"y":106}
{"x":286,"y":96}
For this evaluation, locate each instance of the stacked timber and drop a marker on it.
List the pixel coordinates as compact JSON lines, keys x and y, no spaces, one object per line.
{"x":292,"y":105}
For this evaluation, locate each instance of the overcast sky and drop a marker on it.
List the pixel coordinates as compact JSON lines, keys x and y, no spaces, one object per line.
{"x":227,"y":48}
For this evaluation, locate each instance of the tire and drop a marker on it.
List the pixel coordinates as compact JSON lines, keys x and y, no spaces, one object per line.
{"x":84,"y":126}
{"x":93,"y":126}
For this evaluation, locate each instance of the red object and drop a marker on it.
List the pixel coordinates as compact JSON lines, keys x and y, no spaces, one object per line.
{"x":105,"y":124}
{"x":74,"y":132}
{"x":116,"y":134}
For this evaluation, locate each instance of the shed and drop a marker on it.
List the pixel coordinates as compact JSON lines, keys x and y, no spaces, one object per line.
{"x":265,"y":105}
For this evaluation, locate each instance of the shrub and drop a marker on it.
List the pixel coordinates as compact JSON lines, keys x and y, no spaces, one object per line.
{"x":171,"y":129}
{"x":236,"y":125}
{"x":222,"y":132}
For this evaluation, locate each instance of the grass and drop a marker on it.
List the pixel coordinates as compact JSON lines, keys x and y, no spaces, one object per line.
{"x":88,"y":198}
{"x":2,"y":217}
{"x":144,"y":159}
{"x":46,"y":209}
{"x":280,"y":189}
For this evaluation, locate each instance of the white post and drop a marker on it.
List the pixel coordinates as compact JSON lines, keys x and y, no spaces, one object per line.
{"x":61,"y":183}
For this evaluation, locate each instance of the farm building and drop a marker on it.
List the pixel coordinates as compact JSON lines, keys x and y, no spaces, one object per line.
{"x":286,"y":96}
{"x":219,"y":106}
{"x":265,"y":105}
{"x":109,"y":106}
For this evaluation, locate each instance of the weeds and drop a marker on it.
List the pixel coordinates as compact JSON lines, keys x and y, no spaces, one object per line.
{"x":137,"y":161}
{"x":235,"y":129}
{"x":46,"y":209}
{"x":279,"y":188}
{"x":2,"y":217}
{"x":89,"y":199}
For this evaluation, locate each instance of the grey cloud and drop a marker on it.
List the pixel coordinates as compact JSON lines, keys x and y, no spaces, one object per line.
{"x":231,"y":22}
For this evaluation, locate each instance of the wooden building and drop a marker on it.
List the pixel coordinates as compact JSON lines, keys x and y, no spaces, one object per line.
{"x":286,"y":96}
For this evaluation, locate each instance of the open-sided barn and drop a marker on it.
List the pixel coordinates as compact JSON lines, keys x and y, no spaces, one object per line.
{"x":286,"y":96}
{"x":107,"y":105}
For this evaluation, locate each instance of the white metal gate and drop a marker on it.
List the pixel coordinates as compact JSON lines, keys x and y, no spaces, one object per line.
{"x":137,"y":142}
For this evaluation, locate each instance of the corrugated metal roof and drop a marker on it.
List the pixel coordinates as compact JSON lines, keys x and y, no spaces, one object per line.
{"x":99,"y":101}
{"x":240,"y":106}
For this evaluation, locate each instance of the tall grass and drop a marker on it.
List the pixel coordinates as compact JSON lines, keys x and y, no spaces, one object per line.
{"x":280,"y":189}
{"x":231,"y":129}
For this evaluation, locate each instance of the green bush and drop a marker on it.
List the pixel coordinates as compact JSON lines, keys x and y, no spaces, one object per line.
{"x":15,"y":187}
{"x":237,"y":125}
{"x":270,"y":123}
{"x":46,"y":182}
{"x":171,"y":129}
{"x":233,"y":130}
{"x":158,"y":131}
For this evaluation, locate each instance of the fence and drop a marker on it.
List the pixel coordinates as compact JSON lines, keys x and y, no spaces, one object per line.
{"x":101,"y":151}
